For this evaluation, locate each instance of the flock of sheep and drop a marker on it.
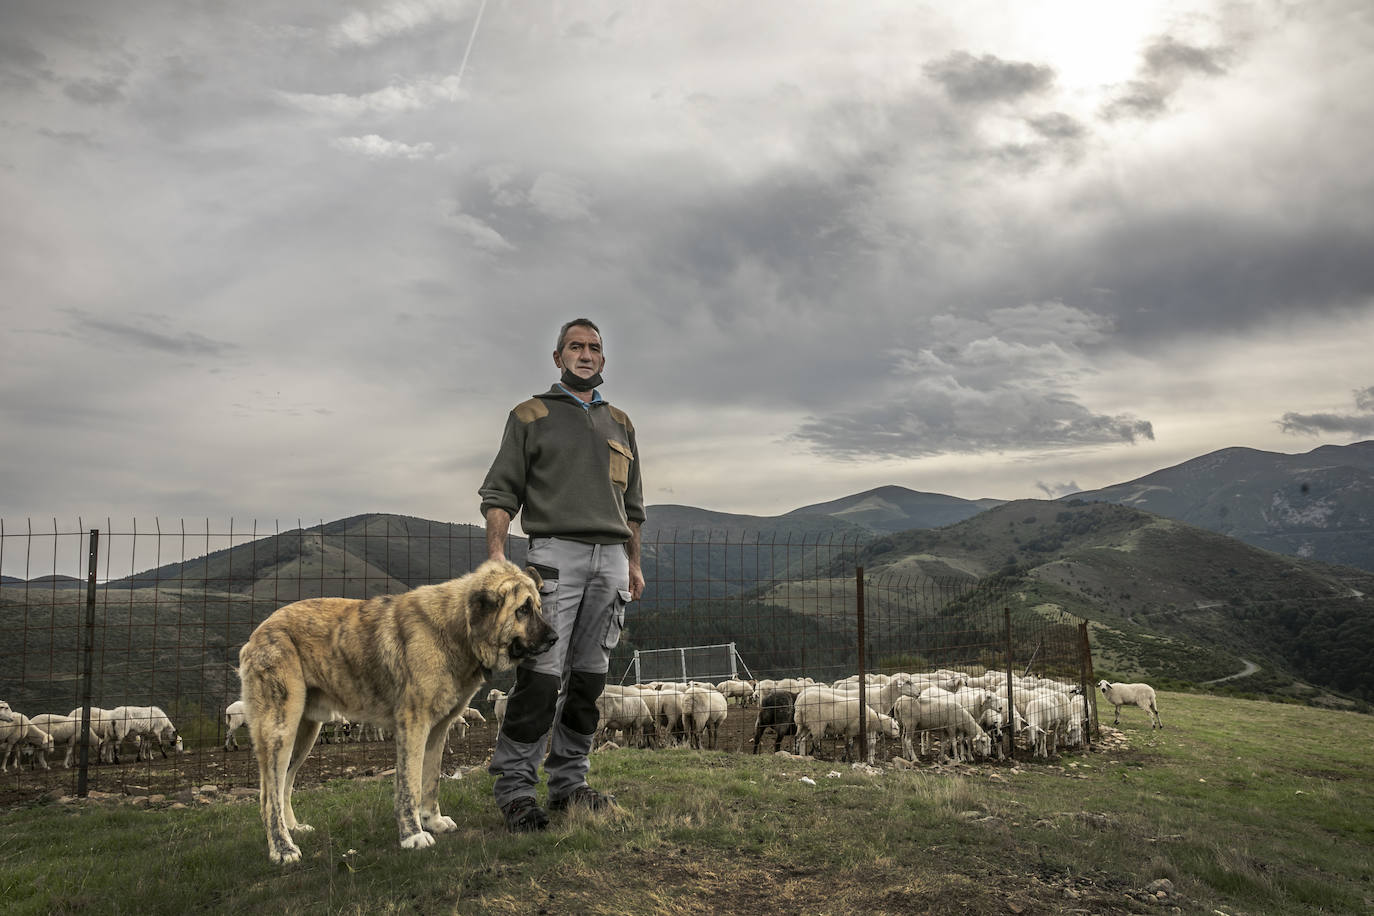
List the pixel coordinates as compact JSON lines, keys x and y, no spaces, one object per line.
{"x":337,"y":728}
{"x":24,"y":738}
{"x":965,"y":715}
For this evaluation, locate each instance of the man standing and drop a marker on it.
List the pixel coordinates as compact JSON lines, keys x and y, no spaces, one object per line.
{"x":569,"y":463}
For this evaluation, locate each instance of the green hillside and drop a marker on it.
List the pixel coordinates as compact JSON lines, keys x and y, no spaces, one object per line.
{"x":1166,"y":602}
{"x":1165,"y":599}
{"x":1318,"y":505}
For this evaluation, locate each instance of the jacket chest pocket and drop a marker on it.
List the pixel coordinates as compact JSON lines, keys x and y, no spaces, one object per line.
{"x":621,"y":456}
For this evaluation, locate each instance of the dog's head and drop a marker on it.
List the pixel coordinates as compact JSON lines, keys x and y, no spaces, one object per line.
{"x":505,"y":616}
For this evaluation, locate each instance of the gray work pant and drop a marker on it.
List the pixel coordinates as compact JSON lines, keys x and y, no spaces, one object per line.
{"x":584,"y":593}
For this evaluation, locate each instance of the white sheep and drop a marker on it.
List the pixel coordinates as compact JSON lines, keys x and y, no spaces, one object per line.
{"x":672,"y":725}
{"x":656,"y":700}
{"x":625,"y":712}
{"x":703,"y":711}
{"x":736,"y":689}
{"x":104,"y":735}
{"x":824,"y":711}
{"x":882,"y":697}
{"x":941,"y":713}
{"x":762,"y":688}
{"x":1050,"y":722}
{"x":358,"y":732}
{"x":612,"y":694}
{"x":146,"y":724}
{"x":1012,"y":713}
{"x":61,"y":728}
{"x":235,"y":717}
{"x":945,"y":680}
{"x":498,"y":700}
{"x":1142,"y":695}
{"x":6,"y":714}
{"x":20,"y":730}
{"x":986,"y":708}
{"x":975,"y":699}
{"x":335,"y":728}
{"x":988,"y":680}
{"x":852,"y":680}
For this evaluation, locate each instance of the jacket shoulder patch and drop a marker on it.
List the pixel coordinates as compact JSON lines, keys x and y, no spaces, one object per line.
{"x":620,"y":417}
{"x":531,"y":410}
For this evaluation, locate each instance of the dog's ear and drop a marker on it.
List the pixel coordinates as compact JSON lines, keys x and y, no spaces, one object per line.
{"x":534,"y":574}
{"x":486,"y":603}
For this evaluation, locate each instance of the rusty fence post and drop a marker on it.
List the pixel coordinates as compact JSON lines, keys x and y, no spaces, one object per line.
{"x":863,"y":693}
{"x":1009,"y":727}
{"x":88,"y":654}
{"x":1089,"y":682}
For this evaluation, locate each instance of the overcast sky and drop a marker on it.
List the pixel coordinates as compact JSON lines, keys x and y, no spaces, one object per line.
{"x":297,"y":260}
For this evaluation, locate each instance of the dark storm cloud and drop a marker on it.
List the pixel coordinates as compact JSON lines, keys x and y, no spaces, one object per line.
{"x":142,"y":336}
{"x":91,"y":91}
{"x":786,"y":244}
{"x":1138,"y":99}
{"x":988,"y":78}
{"x":1056,"y":126}
{"x":22,"y":66}
{"x":769,"y":226}
{"x":1168,"y":56}
{"x":798,"y":228}
{"x":1001,"y":382}
{"x":1061,"y":141}
{"x":931,"y":421}
{"x":78,"y":138}
{"x":1316,"y":424}
{"x":1196,"y":271}
{"x":1165,"y":65}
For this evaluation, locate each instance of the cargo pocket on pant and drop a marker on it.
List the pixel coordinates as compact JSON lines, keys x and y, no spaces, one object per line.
{"x":621,"y":456}
{"x":616,"y":625}
{"x":548,"y":594}
{"x":547,"y":575}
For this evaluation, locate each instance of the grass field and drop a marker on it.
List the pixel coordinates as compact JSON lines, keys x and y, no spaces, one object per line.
{"x":1243,"y":807}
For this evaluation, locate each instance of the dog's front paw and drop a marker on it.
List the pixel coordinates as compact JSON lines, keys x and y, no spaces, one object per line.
{"x":441,"y":824}
{"x":301,"y":828}
{"x":422,"y":840}
{"x":285,"y":855}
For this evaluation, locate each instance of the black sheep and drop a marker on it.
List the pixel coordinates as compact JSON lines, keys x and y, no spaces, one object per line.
{"x":775,"y":712}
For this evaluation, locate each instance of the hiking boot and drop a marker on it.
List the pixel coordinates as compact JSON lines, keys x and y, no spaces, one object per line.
{"x":523,"y":815}
{"x":584,"y":797}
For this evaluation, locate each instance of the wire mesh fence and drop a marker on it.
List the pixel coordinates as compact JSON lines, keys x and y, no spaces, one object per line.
{"x":154,"y":615}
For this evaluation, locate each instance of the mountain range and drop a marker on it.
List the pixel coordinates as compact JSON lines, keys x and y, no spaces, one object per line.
{"x":1318,"y":505}
{"x":1237,"y":559}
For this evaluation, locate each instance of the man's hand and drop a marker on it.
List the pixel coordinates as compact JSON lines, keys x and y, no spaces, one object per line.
{"x":636,"y":582}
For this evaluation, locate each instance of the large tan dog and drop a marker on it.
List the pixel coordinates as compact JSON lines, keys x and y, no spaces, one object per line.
{"x":409,"y":662}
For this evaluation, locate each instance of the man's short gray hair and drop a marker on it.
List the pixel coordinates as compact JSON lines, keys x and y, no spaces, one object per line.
{"x":563,"y":331}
